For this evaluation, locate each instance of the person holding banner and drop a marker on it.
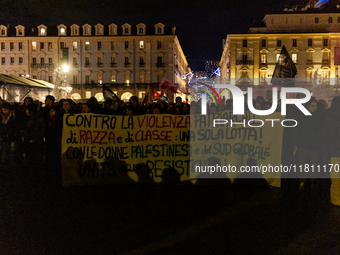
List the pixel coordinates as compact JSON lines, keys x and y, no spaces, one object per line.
{"x":333,"y":141}
{"x":308,"y":143}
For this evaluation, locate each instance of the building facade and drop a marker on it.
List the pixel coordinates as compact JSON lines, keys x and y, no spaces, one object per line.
{"x":128,"y":59}
{"x":311,"y":38}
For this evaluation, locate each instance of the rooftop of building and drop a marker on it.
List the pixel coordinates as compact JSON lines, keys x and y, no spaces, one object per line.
{"x":53,"y":30}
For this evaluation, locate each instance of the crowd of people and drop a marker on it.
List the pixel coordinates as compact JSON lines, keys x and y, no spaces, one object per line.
{"x":32,"y":132}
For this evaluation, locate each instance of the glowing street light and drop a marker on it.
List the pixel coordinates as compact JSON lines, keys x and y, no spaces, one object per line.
{"x":65,"y":68}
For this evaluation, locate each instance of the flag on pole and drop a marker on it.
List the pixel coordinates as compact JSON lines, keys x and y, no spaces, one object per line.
{"x":108,"y":93}
{"x":155,"y":94}
{"x":285,"y":70}
{"x":146,"y":97}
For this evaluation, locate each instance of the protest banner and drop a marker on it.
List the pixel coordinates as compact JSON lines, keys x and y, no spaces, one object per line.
{"x":105,"y":149}
{"x":236,"y":142}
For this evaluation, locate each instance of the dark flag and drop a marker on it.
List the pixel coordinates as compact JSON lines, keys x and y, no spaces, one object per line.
{"x":108,"y":93}
{"x":146,"y":97}
{"x":285,"y":70}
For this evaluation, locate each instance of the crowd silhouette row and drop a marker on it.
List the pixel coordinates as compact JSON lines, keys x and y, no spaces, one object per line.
{"x":31,"y":132}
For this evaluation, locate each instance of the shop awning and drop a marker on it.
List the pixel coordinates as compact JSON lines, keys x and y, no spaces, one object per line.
{"x":20,"y":81}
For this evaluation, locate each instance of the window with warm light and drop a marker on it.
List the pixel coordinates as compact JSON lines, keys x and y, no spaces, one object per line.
{"x":294,"y":57}
{"x":75,"y":46}
{"x":141,"y":45}
{"x":113,"y":78}
{"x":88,"y":94}
{"x":42,"y":31}
{"x":62,"y":31}
{"x":34,"y":45}
{"x":277,"y":57}
{"x":263,"y":58}
{"x":87,"y":46}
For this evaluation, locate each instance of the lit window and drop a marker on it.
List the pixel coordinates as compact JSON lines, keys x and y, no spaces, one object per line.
{"x":62,"y":31}
{"x":42,"y":31}
{"x":87,"y":46}
{"x":34,"y":45}
{"x":113,"y":78}
{"x":263,"y":58}
{"x":75,"y":45}
{"x":88,"y":94}
{"x":294,"y":57}
{"x":277,"y":57}
{"x":141,"y":44}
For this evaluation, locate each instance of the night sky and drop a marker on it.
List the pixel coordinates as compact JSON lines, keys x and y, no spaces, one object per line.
{"x":201,"y":25}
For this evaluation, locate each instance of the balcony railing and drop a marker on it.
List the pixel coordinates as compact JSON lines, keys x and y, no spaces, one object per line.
{"x":42,"y":65}
{"x":159,"y":64}
{"x":142,"y":64}
{"x":325,"y":63}
{"x":126,"y":64}
{"x":87,"y":65}
{"x":75,"y":65}
{"x":244,"y":62}
{"x":100,"y":64}
{"x":113,"y":64}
